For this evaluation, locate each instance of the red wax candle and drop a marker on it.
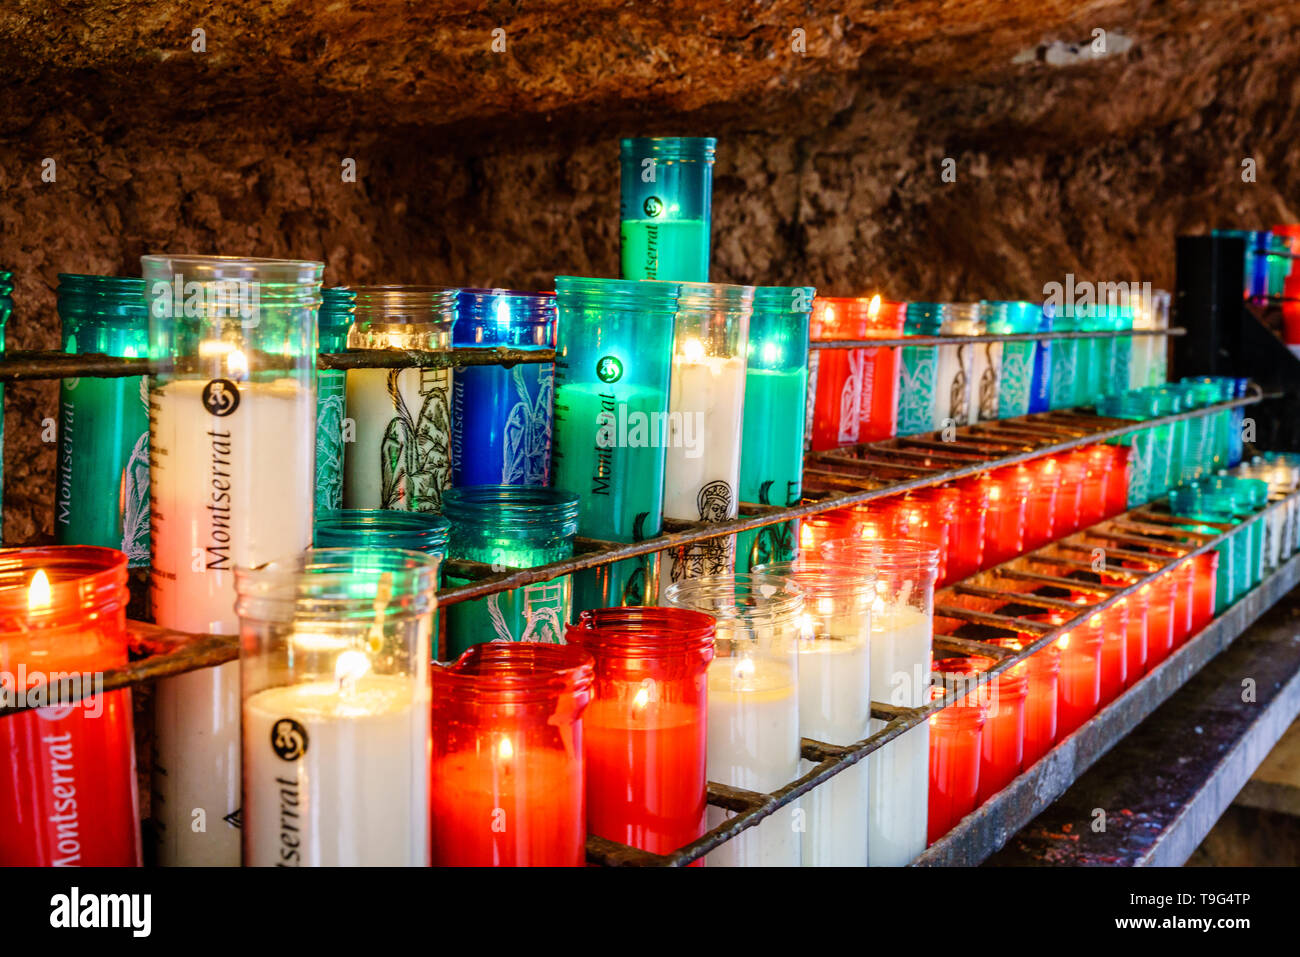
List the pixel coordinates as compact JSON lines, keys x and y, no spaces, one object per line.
{"x":1136,"y":644}
{"x":1073,"y":502}
{"x":878,"y":408}
{"x":1207,"y":570}
{"x":966,"y":555}
{"x":955,"y":741}
{"x":826,"y":527}
{"x":1080,"y":685}
{"x":1041,"y":488}
{"x":646,"y":726}
{"x":1184,"y":601}
{"x":1160,"y":619}
{"x":855,"y":390}
{"x":1043,"y":670}
{"x":1006,"y":523}
{"x":69,"y":792}
{"x":1002,"y":742}
{"x":508,"y":787}
{"x":1116,"y":463}
{"x":1114,"y":652}
{"x":928,"y":515}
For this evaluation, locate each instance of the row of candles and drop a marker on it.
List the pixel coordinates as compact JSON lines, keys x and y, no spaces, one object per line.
{"x":356,"y":751}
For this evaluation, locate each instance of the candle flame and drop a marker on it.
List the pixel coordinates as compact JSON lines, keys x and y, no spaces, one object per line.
{"x":873,"y":307}
{"x":237,"y":363}
{"x":1063,"y":642}
{"x":350,"y":667}
{"x":744,"y":669}
{"x":693,"y":350}
{"x":641,"y":699}
{"x":39,"y":593}
{"x":505,"y":750}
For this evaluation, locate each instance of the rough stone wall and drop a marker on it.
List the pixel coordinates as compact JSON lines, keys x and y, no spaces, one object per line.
{"x":500,"y":168}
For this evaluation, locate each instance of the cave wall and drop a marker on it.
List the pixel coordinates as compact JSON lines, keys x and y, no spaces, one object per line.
{"x":499,"y":168}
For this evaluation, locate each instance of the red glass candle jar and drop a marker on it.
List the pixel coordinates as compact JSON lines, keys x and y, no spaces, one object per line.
{"x":928,"y":515}
{"x":1002,"y":743}
{"x":1006,"y":521}
{"x":1136,"y":643}
{"x":1184,"y":602}
{"x":1043,"y":672}
{"x":1040,"y":485}
{"x":1072,"y":502}
{"x":955,"y":743}
{"x":508,"y":787}
{"x":1114,"y":652}
{"x":966,"y":556}
{"x":1207,"y":571}
{"x":645,"y":729}
{"x":1160,"y":618}
{"x":826,"y":527}
{"x":856,"y":390}
{"x":1115,"y":459}
{"x":1079,"y":692}
{"x":69,"y":796}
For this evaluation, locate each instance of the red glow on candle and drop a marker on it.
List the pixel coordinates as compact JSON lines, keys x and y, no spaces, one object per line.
{"x":1207,"y":570}
{"x":955,"y":743}
{"x":1043,"y":669}
{"x":856,"y":392}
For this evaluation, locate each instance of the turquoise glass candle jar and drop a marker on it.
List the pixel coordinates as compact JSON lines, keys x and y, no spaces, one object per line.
{"x":667,"y":198}
{"x":1065,"y":360}
{"x":102,"y":493}
{"x":776,"y":383}
{"x":399,"y":455}
{"x":1216,"y":505}
{"x":1093,"y":356}
{"x":1144,"y":484}
{"x":918,"y":371}
{"x":1019,"y":359}
{"x":613,"y":360}
{"x":501,"y":418}
{"x":510,"y":526}
{"x":337,"y":312}
{"x":1114,"y":354}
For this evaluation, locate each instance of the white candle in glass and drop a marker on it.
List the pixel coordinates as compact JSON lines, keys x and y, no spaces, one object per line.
{"x":337,"y":772}
{"x":705,"y":412}
{"x":754,"y":744}
{"x":400,"y":456}
{"x":900,"y":770}
{"x":227,"y":490}
{"x":835,"y":707}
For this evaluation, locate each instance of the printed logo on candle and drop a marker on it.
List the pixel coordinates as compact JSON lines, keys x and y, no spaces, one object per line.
{"x":609,"y":369}
{"x":221,"y":397}
{"x":653,"y":206}
{"x":288,"y":739}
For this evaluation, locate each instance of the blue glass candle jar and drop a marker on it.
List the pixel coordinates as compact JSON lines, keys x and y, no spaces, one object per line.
{"x":337,"y":312}
{"x":511,"y":527}
{"x":102,"y":495}
{"x":776,"y":383}
{"x":1040,"y":389}
{"x":667,"y":197}
{"x":918,"y":371}
{"x":501,"y":418}
{"x":613,"y":362}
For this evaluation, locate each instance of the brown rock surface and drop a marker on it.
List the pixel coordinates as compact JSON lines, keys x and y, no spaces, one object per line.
{"x":500,"y":168}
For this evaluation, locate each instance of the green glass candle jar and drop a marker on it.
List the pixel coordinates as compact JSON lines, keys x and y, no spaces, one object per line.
{"x":1143,"y":485}
{"x":776,"y":383}
{"x":1169,"y":402}
{"x":1066,"y":385}
{"x":918,"y":371}
{"x":103,"y":473}
{"x":337,"y":312}
{"x":1217,"y":505}
{"x":511,"y":526}
{"x":613,"y":362}
{"x":400,"y":454}
{"x":667,"y":197}
{"x":1019,"y":359}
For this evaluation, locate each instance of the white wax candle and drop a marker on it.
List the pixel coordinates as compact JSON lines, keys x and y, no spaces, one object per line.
{"x":232,"y":489}
{"x":953,"y":389}
{"x":835,"y":707}
{"x":705,"y":413}
{"x":400,"y":457}
{"x":900,"y":771}
{"x":754,"y":744}
{"x":337,"y":778}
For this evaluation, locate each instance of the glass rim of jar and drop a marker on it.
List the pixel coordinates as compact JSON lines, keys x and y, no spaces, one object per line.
{"x":891,"y":554}
{"x":524,"y":308}
{"x":86,"y":578}
{"x":596,"y":293}
{"x":775,"y":610}
{"x":511,"y":506}
{"x":643,"y":631}
{"x":205,"y":269}
{"x":514,"y":671}
{"x":394,"y":304}
{"x":714,"y":297}
{"x":822,"y":577}
{"x":417,"y":531}
{"x":339,"y":584}
{"x":1047,"y":658}
{"x":669,"y":147}
{"x":958,"y":716}
{"x":127,"y":288}
{"x":780,"y":299}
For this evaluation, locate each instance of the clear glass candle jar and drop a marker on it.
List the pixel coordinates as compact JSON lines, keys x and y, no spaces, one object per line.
{"x":1002,"y":744}
{"x":776,"y":385}
{"x":337,"y":313}
{"x":233,"y":436}
{"x":666,"y":206}
{"x":614,"y":357}
{"x":400,"y":457}
{"x":956,"y":740}
{"x":501,"y":418}
{"x":901,"y":630}
{"x":70,"y":793}
{"x":958,"y":399}
{"x":508,"y":780}
{"x":918,"y":371}
{"x":706,"y":407}
{"x":646,"y":727}
{"x":334,"y":661}
{"x":1043,"y":674}
{"x":854,"y":392}
{"x":753,"y":717}
{"x":102,"y":486}
{"x":511,"y":526}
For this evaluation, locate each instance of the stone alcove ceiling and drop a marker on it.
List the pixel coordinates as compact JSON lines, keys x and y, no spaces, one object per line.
{"x":499,"y":167}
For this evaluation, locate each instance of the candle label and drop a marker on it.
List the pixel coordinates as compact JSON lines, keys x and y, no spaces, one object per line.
{"x":810,"y":399}
{"x":989,"y":383}
{"x":501,"y":425}
{"x":851,"y":397}
{"x":415,"y":453}
{"x":537,"y":612}
{"x":330,"y":387}
{"x":916,"y":390}
{"x":1017,"y":374}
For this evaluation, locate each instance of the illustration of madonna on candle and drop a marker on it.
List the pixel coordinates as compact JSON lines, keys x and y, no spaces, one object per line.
{"x":415,"y":454}
{"x":717,"y":556}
